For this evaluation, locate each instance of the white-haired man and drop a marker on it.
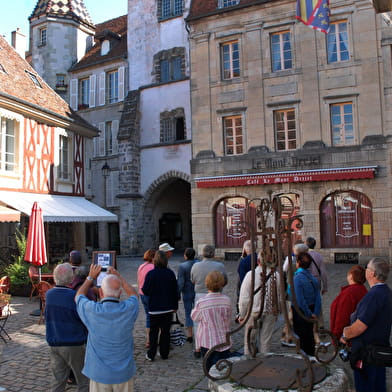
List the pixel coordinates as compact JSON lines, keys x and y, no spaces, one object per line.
{"x":109,"y":361}
{"x":65,"y":332}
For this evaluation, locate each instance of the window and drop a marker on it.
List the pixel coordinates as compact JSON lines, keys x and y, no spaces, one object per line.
{"x":2,"y":69}
{"x":346,"y":221}
{"x":171,"y":69}
{"x":112,"y":86}
{"x":64,"y":163}
{"x":170,"y":8}
{"x":34,"y":79}
{"x":231,"y":214}
{"x":281,"y":56}
{"x":84,"y":93}
{"x":8,"y":144}
{"x":173,"y":126}
{"x":108,"y":138}
{"x":337,"y":42}
{"x":342,"y":124}
{"x":232,"y":129}
{"x":230,"y":60}
{"x":42,"y":36}
{"x":60,"y":80}
{"x":285,"y":130}
{"x":105,"y":47}
{"x":227,"y":3}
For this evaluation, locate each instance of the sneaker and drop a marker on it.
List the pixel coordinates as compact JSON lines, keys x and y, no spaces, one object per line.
{"x":148,"y":358}
{"x":287,"y":343}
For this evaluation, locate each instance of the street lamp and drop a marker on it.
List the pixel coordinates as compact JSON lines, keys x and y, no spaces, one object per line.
{"x":105,"y":173}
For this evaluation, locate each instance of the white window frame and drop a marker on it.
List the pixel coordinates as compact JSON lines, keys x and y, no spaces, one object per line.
{"x":342,"y":126}
{"x":112,"y":90}
{"x":232,"y":71}
{"x":281,"y":50}
{"x":65,"y":167}
{"x":9,"y":154}
{"x":336,"y":34}
{"x":285,"y":131}
{"x":237,"y":131}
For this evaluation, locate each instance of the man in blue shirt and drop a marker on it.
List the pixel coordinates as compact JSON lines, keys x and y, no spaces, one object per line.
{"x":65,"y":332}
{"x":109,"y":361}
{"x":371,"y":324}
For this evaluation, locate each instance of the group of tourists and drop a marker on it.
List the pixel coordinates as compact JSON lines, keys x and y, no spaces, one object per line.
{"x":83,"y":341}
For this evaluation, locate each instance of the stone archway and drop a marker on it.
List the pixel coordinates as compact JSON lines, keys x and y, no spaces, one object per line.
{"x":167,"y":211}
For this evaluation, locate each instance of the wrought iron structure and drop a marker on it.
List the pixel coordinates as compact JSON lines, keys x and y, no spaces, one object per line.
{"x":275,"y":219}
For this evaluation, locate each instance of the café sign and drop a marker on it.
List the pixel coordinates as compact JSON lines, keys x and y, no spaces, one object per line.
{"x":347,"y":173}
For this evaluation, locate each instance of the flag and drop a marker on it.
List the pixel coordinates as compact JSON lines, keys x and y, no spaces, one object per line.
{"x":314,"y":13}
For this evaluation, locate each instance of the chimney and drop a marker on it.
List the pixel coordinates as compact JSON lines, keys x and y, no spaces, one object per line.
{"x":18,"y":41}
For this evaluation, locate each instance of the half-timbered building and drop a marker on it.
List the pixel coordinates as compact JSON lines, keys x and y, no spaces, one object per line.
{"x":42,"y":158}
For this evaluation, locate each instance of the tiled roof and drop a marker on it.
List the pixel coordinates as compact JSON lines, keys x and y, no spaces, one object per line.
{"x":16,"y":81}
{"x":66,"y":8}
{"x":118,"y":26}
{"x":202,"y":8}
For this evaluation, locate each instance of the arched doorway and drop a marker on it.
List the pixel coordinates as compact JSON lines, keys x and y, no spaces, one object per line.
{"x":168,"y":213}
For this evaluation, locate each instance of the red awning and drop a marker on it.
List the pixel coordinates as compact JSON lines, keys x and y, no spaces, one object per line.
{"x":347,"y":173}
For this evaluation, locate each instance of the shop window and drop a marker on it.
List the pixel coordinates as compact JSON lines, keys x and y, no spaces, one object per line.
{"x":346,"y":221}
{"x":231,"y":216}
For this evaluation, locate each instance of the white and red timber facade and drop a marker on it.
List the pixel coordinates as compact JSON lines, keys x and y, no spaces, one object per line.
{"x":42,"y":158}
{"x":280,"y":108}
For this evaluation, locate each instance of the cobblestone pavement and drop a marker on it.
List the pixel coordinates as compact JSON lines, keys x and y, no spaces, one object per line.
{"x":25,"y":359}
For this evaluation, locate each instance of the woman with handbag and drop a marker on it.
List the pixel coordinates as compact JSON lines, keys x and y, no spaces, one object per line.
{"x":160,"y":286}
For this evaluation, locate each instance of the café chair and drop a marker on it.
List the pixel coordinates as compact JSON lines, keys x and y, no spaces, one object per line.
{"x":42,"y":288}
{"x":5,"y":283}
{"x":5,"y":313}
{"x":34,"y":279}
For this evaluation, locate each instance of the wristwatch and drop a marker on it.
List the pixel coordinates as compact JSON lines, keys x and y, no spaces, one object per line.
{"x":90,"y":278}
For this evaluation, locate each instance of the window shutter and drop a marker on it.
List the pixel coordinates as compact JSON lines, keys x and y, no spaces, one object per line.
{"x":112,"y":189}
{"x":102,"y":88}
{"x":93,"y":80}
{"x":121,"y":85}
{"x":115,"y":124}
{"x":101,"y":142}
{"x":74,"y":94}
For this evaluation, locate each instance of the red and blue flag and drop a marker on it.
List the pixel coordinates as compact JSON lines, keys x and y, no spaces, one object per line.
{"x":314,"y":13}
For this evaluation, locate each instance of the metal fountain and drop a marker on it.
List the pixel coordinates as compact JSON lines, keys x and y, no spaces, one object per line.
{"x":275,"y":222}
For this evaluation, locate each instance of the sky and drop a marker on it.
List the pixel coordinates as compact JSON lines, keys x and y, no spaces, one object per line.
{"x":15,"y":13}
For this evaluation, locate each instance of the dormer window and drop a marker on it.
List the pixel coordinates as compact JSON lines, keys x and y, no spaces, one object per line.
{"x":227,"y":3}
{"x":105,"y":47}
{"x":34,"y":79}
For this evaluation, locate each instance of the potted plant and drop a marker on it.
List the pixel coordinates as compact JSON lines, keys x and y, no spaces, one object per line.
{"x":18,"y":271}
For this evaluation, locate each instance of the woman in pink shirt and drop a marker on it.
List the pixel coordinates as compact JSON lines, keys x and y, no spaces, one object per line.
{"x":142,"y":271}
{"x":213,"y":313}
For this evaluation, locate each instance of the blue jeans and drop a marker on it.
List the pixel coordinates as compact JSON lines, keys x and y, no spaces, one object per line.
{"x":215,"y":356}
{"x":373,"y":379}
{"x":188,"y":306}
{"x":144,"y":299}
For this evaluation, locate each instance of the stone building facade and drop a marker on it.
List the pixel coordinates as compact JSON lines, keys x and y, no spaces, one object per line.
{"x":155,"y":131}
{"x":280,"y":108}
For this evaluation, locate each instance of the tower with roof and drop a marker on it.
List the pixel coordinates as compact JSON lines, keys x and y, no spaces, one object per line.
{"x":61,"y":31}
